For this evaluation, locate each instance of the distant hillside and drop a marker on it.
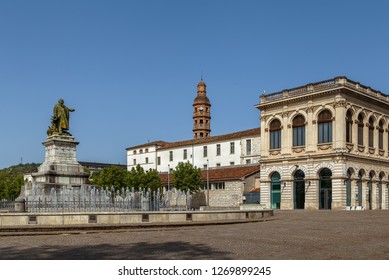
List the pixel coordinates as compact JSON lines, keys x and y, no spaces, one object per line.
{"x":22,"y":168}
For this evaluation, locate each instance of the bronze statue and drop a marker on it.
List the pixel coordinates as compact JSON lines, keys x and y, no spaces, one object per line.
{"x":60,"y":119}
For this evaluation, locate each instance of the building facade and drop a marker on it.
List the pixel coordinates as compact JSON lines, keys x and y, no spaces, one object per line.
{"x":325,"y":146}
{"x":239,"y":148}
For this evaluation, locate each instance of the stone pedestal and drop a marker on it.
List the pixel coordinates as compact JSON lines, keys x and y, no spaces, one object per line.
{"x":60,"y":168}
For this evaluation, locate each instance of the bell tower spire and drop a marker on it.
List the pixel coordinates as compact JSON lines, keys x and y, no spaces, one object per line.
{"x":201,"y":112}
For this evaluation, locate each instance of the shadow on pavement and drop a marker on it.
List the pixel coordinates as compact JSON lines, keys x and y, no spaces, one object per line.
{"x":139,"y":251}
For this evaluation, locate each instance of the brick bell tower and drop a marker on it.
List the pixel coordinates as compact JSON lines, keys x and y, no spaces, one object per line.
{"x":201,"y":113}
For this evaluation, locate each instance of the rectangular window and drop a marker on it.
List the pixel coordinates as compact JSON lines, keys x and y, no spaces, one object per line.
{"x":299,"y":136}
{"x":218,"y":149}
{"x":134,"y":161}
{"x":360,"y":134}
{"x":219,"y":186}
{"x":171,"y":156}
{"x":275,"y":139}
{"x":205,"y":151}
{"x":185,"y":153}
{"x":147,"y":160}
{"x":159,"y":160}
{"x":218,"y":164}
{"x":232,"y":148}
{"x":232,"y":163}
{"x":381,"y":139}
{"x":248,"y":161}
{"x":248,"y":147}
{"x":325,"y":132}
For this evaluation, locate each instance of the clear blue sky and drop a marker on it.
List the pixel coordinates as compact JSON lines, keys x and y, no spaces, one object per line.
{"x":130,"y":68}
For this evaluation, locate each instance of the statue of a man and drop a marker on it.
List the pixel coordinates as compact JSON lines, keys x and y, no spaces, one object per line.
{"x":60,"y":119}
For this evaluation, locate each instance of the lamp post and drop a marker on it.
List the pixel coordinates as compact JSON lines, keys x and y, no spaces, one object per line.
{"x":208,"y":182}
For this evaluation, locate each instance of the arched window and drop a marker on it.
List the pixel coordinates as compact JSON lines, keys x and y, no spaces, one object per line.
{"x":299,"y":131}
{"x":325,"y":127}
{"x":371,"y":132}
{"x":381,"y":135}
{"x":349,"y":127}
{"x":275,"y":190}
{"x":360,"y":129}
{"x":275,"y":134}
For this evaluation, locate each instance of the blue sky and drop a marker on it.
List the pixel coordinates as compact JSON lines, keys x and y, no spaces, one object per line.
{"x":130,"y":68}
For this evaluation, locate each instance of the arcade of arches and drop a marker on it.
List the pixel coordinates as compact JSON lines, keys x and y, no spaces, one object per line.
{"x":358,"y":190}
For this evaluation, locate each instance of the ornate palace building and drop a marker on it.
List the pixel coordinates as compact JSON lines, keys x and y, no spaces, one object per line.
{"x":325,"y":146}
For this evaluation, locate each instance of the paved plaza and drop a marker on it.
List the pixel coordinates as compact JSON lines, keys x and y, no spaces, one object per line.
{"x":289,"y":235}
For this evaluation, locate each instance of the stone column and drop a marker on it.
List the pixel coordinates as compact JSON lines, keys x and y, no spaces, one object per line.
{"x":264,"y":138}
{"x":384,"y":201}
{"x":286,"y":134}
{"x":339,"y":131}
{"x":286,"y":194}
{"x":265,"y":189}
{"x":312,"y":194}
{"x":364,"y":193}
{"x":310,"y":131}
{"x":338,"y":193}
{"x":354,"y":135}
{"x":374,"y":193}
{"x":352,"y":192}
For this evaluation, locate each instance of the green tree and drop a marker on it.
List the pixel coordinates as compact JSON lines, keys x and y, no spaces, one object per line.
{"x":138,"y":178}
{"x":152,"y":180}
{"x":187,"y":177}
{"x":10,"y":185}
{"x":121,"y":178}
{"x":111,"y":176}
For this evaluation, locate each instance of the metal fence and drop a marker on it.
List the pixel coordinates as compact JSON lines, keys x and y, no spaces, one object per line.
{"x":92,"y":199}
{"x":7,"y":205}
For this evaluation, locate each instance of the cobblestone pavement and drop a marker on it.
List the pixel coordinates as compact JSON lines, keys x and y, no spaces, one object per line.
{"x":291,"y":235}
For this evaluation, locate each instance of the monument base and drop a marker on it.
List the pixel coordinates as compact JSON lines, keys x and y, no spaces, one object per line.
{"x":60,"y":168}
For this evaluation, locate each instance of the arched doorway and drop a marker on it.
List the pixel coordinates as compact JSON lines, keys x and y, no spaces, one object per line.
{"x":369,"y":195}
{"x":299,"y":189}
{"x":348,"y":188}
{"x":361,"y":173}
{"x":380,"y":191}
{"x":325,"y":194}
{"x":275,"y":191}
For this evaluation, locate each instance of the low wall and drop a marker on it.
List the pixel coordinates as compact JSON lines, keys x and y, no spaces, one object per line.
{"x":131,"y":218}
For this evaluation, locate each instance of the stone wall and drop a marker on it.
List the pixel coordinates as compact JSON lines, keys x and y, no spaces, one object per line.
{"x":231,"y":196}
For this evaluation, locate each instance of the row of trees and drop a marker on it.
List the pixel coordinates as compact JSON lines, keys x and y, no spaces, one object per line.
{"x":184,"y":177}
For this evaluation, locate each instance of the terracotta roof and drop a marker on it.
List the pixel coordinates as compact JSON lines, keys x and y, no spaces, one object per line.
{"x":234,"y":135}
{"x":148,"y":144}
{"x":169,"y":145}
{"x":229,"y":173}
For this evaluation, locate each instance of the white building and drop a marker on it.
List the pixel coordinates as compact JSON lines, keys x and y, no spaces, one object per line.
{"x":237,"y":148}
